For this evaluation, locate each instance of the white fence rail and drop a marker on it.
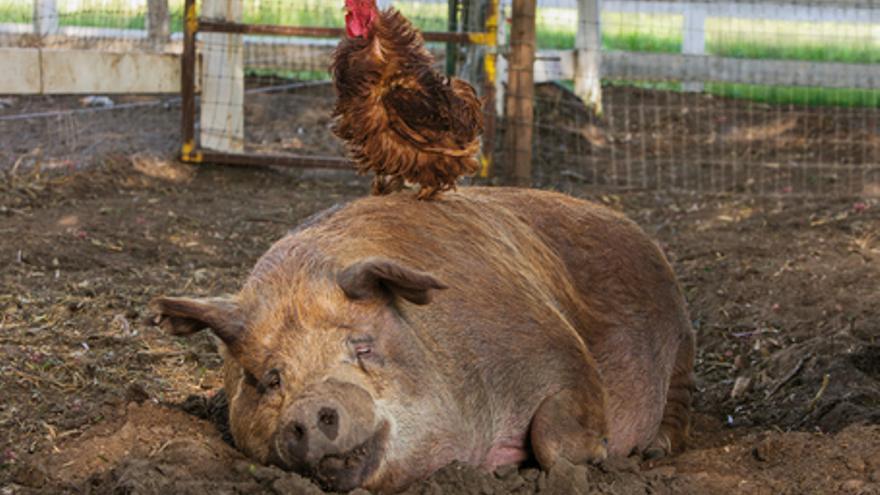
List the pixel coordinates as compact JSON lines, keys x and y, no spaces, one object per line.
{"x":554,"y":65}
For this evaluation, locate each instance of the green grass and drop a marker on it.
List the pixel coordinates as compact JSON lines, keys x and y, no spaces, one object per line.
{"x":296,"y":75}
{"x":785,"y":95}
{"x":115,"y":14}
{"x":777,"y":95}
{"x":15,"y":12}
{"x":134,"y":21}
{"x":815,"y":52}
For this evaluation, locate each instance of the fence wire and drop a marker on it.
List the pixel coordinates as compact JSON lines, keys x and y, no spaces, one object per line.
{"x":759,"y":97}
{"x":64,"y":131}
{"x":288,"y":96}
{"x":765,"y":97}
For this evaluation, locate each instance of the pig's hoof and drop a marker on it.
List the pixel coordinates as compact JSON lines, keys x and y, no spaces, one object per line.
{"x":597,"y":450}
{"x":653,"y":453}
{"x":569,"y":425}
{"x":659,"y":448}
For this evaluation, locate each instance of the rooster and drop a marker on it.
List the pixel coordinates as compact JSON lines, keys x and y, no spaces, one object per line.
{"x":398,"y":116}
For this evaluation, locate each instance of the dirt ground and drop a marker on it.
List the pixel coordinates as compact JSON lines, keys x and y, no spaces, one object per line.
{"x":783,"y":293}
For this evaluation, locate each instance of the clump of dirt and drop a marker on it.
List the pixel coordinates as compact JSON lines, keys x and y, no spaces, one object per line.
{"x":155,"y":449}
{"x":822,"y":383}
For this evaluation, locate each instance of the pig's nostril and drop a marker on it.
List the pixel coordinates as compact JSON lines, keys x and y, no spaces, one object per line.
{"x":298,"y":431}
{"x":327,"y":417}
{"x":296,"y":444}
{"x":328,"y":422}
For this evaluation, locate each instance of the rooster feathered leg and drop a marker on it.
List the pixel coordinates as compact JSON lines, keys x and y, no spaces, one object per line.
{"x":386,"y":184}
{"x":428,"y":192}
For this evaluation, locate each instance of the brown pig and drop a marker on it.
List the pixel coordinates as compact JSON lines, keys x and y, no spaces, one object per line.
{"x":382,"y":340}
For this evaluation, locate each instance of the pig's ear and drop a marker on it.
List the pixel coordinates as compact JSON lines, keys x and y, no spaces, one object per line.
{"x":381,"y":278}
{"x":183,"y":316}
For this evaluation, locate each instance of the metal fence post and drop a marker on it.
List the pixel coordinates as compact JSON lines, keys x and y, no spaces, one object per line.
{"x":188,"y":151}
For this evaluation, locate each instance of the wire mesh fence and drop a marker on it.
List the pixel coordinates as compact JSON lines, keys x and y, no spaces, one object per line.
{"x":755,"y":96}
{"x":54,"y":48}
{"x":266,"y":94}
{"x":761,"y":97}
{"x":115,"y":24}
{"x":284,"y":93}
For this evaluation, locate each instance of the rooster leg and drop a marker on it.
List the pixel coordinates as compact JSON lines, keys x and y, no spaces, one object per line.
{"x":428,"y":192}
{"x":386,"y":184}
{"x":395,"y":183}
{"x":378,"y":185}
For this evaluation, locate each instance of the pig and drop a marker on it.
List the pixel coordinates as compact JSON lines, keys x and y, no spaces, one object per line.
{"x":387,"y":338}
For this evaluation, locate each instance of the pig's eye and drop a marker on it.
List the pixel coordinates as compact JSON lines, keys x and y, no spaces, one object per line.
{"x":362,"y":350}
{"x":362,"y":346}
{"x":271,"y":381}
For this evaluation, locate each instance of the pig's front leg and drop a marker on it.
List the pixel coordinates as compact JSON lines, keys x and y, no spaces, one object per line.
{"x":571,"y":425}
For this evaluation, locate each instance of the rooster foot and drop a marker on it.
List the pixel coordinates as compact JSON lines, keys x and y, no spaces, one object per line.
{"x":427,"y":193}
{"x":386,"y":184}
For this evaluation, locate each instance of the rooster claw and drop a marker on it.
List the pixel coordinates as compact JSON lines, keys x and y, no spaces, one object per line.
{"x":427,"y":193}
{"x":385,"y":184}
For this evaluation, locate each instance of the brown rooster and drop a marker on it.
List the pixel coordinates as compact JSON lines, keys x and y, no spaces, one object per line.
{"x":399,"y":117}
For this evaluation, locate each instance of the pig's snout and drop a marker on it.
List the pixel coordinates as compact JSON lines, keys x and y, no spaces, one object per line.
{"x":332,"y":435}
{"x":313,"y":430}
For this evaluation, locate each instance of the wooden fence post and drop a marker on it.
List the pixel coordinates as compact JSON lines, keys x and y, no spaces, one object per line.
{"x":158,"y":31}
{"x":588,"y":55}
{"x":45,"y":17}
{"x":694,"y":39}
{"x":521,"y":91}
{"x":222,"y":110}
